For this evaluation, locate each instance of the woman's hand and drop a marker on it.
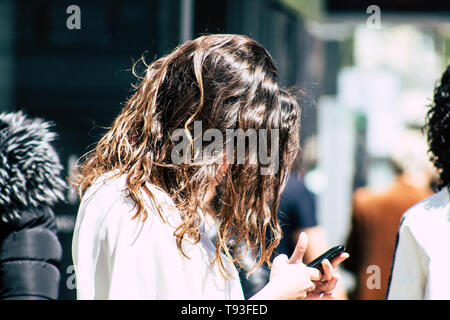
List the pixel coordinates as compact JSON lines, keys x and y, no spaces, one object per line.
{"x":324,"y":288}
{"x":292,"y":279}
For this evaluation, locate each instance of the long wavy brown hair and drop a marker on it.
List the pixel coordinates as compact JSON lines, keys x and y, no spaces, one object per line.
{"x":227,"y":82}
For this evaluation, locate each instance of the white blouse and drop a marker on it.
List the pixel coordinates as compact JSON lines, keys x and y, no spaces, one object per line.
{"x":117,"y":257}
{"x":422,"y":259}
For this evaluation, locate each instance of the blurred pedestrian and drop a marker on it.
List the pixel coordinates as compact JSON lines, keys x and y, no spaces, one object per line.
{"x":422,"y":255}
{"x":141,"y":230}
{"x":30,"y":184}
{"x":377,"y":214}
{"x":297,"y":213}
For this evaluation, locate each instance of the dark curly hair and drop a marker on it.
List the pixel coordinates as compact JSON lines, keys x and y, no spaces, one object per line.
{"x":437,"y":127}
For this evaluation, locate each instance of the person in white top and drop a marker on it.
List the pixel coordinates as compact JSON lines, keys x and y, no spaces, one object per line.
{"x":119,"y":257}
{"x":206,"y":141}
{"x":422,"y":255}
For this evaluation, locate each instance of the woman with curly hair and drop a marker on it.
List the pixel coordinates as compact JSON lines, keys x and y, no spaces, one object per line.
{"x":149,"y":200}
{"x":423,"y":242}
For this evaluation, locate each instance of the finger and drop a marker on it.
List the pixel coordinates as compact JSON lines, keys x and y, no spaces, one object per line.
{"x":278,"y":264}
{"x":302,"y":295}
{"x":314,"y":274}
{"x":328,"y":271}
{"x":280,"y":259}
{"x":339,"y":259}
{"x":300,"y":248}
{"x":313,"y":296}
{"x":329,"y":286}
{"x":311,"y":287}
{"x":329,"y":296}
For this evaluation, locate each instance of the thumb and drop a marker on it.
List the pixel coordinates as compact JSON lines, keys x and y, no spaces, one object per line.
{"x":300,"y":248}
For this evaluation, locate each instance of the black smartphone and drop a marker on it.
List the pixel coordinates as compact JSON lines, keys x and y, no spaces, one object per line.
{"x":330,"y":255}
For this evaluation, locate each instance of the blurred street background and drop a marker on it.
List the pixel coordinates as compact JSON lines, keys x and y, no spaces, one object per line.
{"x":368,"y":74}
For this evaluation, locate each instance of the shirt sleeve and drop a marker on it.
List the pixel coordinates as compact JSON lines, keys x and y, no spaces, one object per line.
{"x":408,"y":276}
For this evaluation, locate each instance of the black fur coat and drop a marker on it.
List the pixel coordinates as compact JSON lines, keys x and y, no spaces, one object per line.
{"x":30,"y":184}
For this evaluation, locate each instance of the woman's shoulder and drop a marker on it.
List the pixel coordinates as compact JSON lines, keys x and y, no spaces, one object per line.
{"x":430,"y":209}
{"x":106,"y":190}
{"x":425,"y":220}
{"x":109,"y":192}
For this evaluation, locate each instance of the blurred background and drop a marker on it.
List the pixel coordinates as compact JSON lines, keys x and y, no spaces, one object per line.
{"x":369,"y":72}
